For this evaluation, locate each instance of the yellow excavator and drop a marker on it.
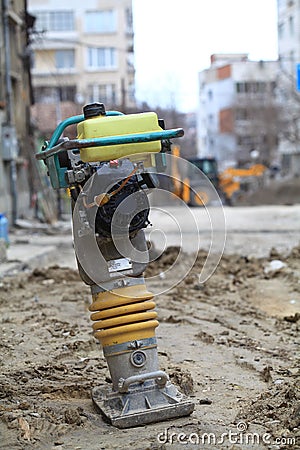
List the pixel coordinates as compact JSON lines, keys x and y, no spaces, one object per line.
{"x":188,"y":183}
{"x":235,"y":182}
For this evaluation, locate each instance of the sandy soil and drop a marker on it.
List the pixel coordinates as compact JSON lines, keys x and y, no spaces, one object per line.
{"x":231,"y":344}
{"x":274,"y":192}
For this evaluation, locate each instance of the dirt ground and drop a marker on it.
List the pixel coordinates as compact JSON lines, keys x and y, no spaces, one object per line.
{"x":273,"y":192}
{"x":231,"y":344}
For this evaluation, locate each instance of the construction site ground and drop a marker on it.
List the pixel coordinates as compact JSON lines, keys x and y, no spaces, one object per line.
{"x":231,"y":344}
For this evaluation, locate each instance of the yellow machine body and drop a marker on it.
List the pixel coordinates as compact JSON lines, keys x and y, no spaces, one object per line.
{"x":124,"y":314}
{"x":104,"y":126}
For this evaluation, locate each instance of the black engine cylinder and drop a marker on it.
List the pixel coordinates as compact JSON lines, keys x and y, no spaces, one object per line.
{"x":128,"y":209}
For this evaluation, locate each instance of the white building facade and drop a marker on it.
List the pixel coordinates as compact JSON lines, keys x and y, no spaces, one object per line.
{"x":289,"y":95}
{"x":83,"y":51}
{"x":289,"y":34}
{"x":228,"y":89}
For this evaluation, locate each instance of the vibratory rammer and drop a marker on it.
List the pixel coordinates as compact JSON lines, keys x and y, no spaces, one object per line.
{"x":109,"y":171}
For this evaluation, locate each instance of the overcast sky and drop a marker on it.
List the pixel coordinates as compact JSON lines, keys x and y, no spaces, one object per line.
{"x":175,"y":38}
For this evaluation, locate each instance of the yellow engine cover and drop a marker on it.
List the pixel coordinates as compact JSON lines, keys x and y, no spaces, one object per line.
{"x":103,"y":126}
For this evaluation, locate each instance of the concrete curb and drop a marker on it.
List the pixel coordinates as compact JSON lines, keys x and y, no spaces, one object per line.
{"x":28,"y":258}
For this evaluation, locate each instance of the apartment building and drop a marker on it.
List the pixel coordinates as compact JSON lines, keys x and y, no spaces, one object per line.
{"x":288,"y":84}
{"x":83,"y":52}
{"x":236,"y":102}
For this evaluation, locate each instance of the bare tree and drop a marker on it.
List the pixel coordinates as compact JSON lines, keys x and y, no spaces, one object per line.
{"x":256,"y":125}
{"x":289,"y":109}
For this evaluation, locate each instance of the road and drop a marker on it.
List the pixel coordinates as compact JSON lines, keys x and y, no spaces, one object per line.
{"x":248,"y":231}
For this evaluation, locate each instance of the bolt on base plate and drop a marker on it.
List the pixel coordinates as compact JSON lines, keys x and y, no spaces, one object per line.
{"x":141,"y":406}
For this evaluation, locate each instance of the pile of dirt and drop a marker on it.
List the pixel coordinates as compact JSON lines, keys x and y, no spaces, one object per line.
{"x":278,"y":408}
{"x":161,"y":262}
{"x":55,"y":273}
{"x":276,"y":192}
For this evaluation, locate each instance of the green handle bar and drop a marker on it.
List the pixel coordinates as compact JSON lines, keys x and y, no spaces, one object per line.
{"x":53,"y":148}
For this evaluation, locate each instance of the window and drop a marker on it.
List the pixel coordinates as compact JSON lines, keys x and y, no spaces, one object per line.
{"x":291,"y":25}
{"x":252,"y":87}
{"x":48,"y":94}
{"x":64,"y":59}
{"x":249,"y":141}
{"x":131,"y":91}
{"x":262,"y":87}
{"x":104,"y":93}
{"x":240,"y":87}
{"x":280,"y":30}
{"x":101,"y":57}
{"x":210,"y":95}
{"x":100,"y":21}
{"x":54,"y":20}
{"x":67,"y":93}
{"x":241,"y":114}
{"x":45,"y":94}
{"x":130,"y":63}
{"x":208,"y":166}
{"x":129,"y":22}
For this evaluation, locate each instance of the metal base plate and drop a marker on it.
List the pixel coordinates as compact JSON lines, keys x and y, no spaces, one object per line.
{"x":142,"y":406}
